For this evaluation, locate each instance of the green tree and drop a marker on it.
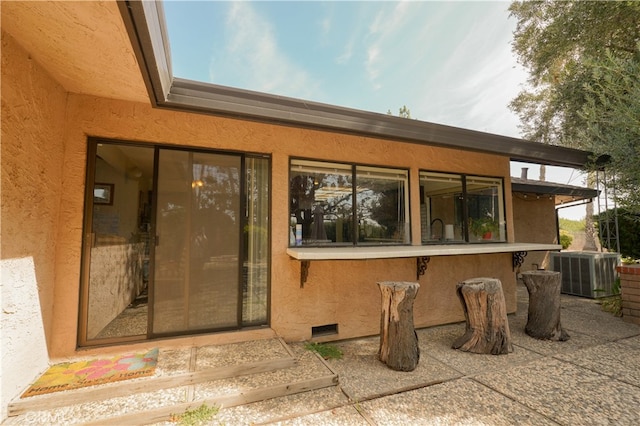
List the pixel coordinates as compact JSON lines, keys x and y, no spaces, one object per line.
{"x":629,"y":231}
{"x":560,"y":43}
{"x":612,"y":117}
{"x":403,"y":112}
{"x":564,"y":45}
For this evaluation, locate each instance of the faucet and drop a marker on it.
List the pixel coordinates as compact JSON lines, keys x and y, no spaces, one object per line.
{"x":441,"y":227}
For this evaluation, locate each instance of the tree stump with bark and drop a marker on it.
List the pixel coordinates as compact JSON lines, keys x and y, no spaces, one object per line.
{"x":485,"y":311}
{"x":543,"y":320}
{"x":398,"y":339}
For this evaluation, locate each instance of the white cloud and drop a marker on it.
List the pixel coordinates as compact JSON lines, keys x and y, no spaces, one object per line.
{"x":325,"y":25}
{"x":254,"y":60}
{"x":373,"y":55}
{"x":449,"y":64}
{"x":384,"y":27}
{"x":347,"y":52}
{"x":480,"y":76}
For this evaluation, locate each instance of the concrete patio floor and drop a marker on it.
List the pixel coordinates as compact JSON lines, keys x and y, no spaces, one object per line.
{"x":591,"y":379}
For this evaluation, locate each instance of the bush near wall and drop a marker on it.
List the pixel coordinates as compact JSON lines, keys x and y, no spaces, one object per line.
{"x":565,"y":239}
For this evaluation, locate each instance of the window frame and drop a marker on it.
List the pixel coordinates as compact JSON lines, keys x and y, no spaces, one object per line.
{"x":82,"y":339}
{"x":354,"y":217}
{"x":464,"y":208}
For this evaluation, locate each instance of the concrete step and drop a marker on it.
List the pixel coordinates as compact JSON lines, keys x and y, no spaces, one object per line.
{"x":221,"y":376}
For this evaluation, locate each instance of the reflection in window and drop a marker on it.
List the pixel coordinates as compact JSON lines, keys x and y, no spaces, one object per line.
{"x":440,"y":214}
{"x":382,"y":205}
{"x":458,"y":208}
{"x":485,"y":209}
{"x":322,"y":200}
{"x":255,"y":267}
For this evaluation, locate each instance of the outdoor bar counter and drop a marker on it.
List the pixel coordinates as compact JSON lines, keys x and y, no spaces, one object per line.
{"x":421,"y":253}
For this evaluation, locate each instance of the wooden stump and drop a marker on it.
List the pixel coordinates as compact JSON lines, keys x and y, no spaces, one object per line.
{"x":543,"y":321}
{"x":485,"y":310}
{"x":398,"y":339}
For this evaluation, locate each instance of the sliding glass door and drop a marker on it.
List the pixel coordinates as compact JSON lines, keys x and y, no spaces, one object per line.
{"x":196,"y":274}
{"x":177,"y":242}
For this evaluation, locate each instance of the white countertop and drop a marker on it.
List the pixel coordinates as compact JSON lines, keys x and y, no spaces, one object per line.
{"x":389,"y":252}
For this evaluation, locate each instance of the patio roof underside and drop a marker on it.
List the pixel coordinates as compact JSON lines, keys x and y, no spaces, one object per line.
{"x":562,"y":194}
{"x":119,"y":50}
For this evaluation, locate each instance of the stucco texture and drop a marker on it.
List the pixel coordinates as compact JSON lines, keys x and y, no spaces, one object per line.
{"x":32,"y":153}
{"x":344,"y":293}
{"x":535,"y":222}
{"x":337,"y":292}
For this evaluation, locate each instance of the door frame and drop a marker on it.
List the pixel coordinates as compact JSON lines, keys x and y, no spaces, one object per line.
{"x":86,"y":244}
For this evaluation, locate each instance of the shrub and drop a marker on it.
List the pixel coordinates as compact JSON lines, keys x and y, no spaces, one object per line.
{"x":565,"y":240}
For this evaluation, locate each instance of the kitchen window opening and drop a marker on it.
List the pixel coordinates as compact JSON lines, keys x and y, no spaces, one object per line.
{"x":457,"y":208}
{"x":338,"y":204}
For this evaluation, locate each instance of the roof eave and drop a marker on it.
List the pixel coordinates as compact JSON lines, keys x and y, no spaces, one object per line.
{"x":564,"y":195}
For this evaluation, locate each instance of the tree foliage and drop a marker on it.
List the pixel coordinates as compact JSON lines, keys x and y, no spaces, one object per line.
{"x":612,"y":122}
{"x":403,"y":112}
{"x":628,"y":231}
{"x":583,"y":59}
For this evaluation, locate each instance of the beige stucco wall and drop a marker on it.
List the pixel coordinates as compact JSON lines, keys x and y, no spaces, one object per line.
{"x":535,"y":222}
{"x":32,"y":153}
{"x":341,"y":292}
{"x":337,"y":292}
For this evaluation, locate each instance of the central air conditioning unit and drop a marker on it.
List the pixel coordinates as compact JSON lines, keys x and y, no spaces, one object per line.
{"x":587,"y":274}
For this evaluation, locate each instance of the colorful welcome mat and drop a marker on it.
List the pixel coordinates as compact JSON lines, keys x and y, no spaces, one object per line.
{"x":74,"y":375}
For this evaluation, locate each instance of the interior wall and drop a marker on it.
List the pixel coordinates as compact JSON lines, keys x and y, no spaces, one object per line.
{"x":32,"y":153}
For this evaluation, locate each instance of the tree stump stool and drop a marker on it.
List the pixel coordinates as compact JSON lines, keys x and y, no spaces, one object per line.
{"x":543,"y":320}
{"x":398,"y":339}
{"x":487,"y":330}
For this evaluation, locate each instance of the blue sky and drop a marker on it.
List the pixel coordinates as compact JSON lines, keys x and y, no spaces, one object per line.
{"x":449,"y":62}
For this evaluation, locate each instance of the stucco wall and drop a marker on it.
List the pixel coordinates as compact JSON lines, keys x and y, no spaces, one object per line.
{"x":33,"y":118}
{"x":535,"y":222}
{"x":333,"y":286}
{"x":344,"y":293}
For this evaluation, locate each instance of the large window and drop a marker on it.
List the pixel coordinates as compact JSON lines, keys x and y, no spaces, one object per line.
{"x":343,"y":204}
{"x":458,"y":208}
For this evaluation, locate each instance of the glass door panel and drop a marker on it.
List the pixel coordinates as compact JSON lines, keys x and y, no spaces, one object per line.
{"x":196,"y":272}
{"x":256,"y":242}
{"x":115,"y":300}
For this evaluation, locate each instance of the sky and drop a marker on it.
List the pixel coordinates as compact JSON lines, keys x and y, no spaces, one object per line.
{"x":449,"y":62}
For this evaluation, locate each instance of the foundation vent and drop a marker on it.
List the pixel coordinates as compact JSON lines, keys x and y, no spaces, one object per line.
{"x":323,"y":330}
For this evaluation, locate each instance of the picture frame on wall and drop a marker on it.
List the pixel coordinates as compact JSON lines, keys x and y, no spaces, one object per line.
{"x":103,"y":194}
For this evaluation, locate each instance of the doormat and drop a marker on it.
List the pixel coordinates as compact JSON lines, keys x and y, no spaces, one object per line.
{"x":74,"y":375}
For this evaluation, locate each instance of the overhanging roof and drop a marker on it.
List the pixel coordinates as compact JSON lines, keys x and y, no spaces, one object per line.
{"x":146,"y":26}
{"x":562,"y":193}
{"x":83,"y":45}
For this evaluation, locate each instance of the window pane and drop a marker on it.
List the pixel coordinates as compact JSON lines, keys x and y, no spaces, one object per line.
{"x":440,"y":210}
{"x":382,"y":206}
{"x":196,"y":256}
{"x":119,"y":253}
{"x":256,"y":248}
{"x":485,"y":209}
{"x":321,"y":203}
